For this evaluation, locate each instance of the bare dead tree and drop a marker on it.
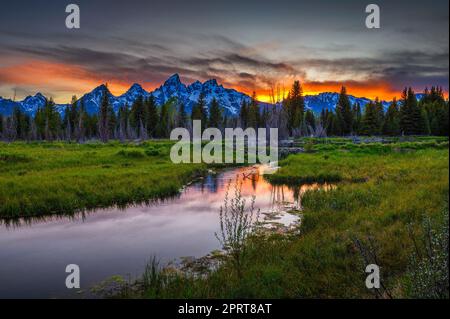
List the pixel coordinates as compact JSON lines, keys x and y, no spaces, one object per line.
{"x":369,"y":255}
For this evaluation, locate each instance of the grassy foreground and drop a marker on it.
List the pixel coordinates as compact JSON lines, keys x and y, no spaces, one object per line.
{"x":44,"y":178}
{"x":383,"y":195}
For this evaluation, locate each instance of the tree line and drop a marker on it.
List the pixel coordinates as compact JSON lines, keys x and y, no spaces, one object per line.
{"x":407,"y":116}
{"x":144,"y":119}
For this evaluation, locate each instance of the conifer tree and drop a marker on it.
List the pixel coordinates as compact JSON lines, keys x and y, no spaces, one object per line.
{"x":253,"y":113}
{"x":225,"y":121}
{"x":370,"y":121}
{"x":334,"y":124}
{"x":81,"y":122}
{"x":39,"y":122}
{"x":310,"y":120}
{"x":92,"y":126}
{"x":380,"y":114}
{"x":1,"y":126}
{"x":21,"y":123}
{"x":294,"y":106}
{"x":51,"y":121}
{"x":243,"y":115}
{"x":323,"y":117}
{"x":112,"y":123}
{"x":391,"y":124}
{"x":122,"y":119}
{"x":70,"y":116}
{"x":138,"y":117}
{"x":410,"y":119}
{"x":103,"y":121}
{"x":344,"y":112}
{"x":264,"y":118}
{"x":164,"y":121}
{"x":182,"y":117}
{"x":199,"y":112}
{"x":424,"y":122}
{"x":215,"y":114}
{"x":152,"y":116}
{"x":433,"y":102}
{"x":357,"y":117}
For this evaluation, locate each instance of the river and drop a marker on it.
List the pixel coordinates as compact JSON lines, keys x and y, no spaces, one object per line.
{"x":106,"y":242}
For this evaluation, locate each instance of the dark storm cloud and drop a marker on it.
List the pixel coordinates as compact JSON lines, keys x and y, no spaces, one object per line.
{"x":402,"y":67}
{"x":245,"y":75}
{"x":241,"y":60}
{"x":242,"y":43}
{"x":219,"y":64}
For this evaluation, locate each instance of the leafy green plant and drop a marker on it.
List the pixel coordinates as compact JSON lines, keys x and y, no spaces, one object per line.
{"x":236,"y":225}
{"x":131,"y":153}
{"x":309,"y":147}
{"x":428,"y":274}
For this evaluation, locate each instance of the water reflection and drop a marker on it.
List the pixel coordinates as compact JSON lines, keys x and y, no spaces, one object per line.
{"x":106,"y":242}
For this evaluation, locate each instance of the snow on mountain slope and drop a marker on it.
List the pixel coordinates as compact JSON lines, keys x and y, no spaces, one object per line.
{"x":29,"y":105}
{"x":328,"y":100}
{"x":229,"y":100}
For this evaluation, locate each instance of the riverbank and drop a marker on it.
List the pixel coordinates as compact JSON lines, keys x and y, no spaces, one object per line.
{"x":377,"y":211}
{"x":39,"y":179}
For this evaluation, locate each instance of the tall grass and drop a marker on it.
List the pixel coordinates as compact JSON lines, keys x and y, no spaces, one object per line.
{"x":379,"y":194}
{"x":47,"y":178}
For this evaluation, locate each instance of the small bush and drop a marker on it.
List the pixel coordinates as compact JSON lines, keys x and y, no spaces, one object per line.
{"x":428,"y":275}
{"x":131,"y":153}
{"x":14,"y":158}
{"x":309,"y":147}
{"x":152,"y":152}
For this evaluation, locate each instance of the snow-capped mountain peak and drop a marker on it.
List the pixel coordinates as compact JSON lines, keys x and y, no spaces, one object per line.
{"x":135,"y":88}
{"x":229,"y":100}
{"x":211,"y":83}
{"x":174,"y":79}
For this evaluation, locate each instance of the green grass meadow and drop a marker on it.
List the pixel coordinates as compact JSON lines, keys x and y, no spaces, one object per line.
{"x":383,"y":194}
{"x":44,"y":178}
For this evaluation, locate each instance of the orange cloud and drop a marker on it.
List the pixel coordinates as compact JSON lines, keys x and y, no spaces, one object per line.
{"x":62,"y":80}
{"x":371,"y":90}
{"x":382,"y":90}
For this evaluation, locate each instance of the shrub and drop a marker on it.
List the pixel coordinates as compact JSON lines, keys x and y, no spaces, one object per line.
{"x":309,"y":147}
{"x":152,"y":152}
{"x":428,"y":275}
{"x":131,"y":153}
{"x":14,"y":158}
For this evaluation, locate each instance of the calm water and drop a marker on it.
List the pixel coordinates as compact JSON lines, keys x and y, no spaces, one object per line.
{"x":106,"y":242}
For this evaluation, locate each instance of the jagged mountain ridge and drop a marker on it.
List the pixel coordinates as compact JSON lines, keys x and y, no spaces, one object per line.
{"x":229,"y":100}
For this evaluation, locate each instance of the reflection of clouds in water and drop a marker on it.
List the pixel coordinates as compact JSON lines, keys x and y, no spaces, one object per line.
{"x":113,"y":240}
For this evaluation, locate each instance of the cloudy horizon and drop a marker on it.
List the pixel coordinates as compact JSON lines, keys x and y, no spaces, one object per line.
{"x":245,"y":45}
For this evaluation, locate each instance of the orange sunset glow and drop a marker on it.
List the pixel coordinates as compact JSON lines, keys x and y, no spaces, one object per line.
{"x":62,"y":81}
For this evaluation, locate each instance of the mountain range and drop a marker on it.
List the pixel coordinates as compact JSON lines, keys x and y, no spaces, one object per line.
{"x":229,"y":100}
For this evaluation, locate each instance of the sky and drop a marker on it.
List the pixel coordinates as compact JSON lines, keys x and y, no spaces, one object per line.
{"x":247,"y":45}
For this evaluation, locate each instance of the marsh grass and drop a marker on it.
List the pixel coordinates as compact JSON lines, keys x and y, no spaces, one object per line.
{"x":392,"y":190}
{"x":62,"y":178}
{"x":384,"y":191}
{"x":427,"y":275}
{"x":131,"y":153}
